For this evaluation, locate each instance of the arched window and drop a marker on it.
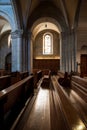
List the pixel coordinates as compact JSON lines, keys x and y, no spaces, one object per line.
{"x":48,"y":44}
{"x":9,"y":40}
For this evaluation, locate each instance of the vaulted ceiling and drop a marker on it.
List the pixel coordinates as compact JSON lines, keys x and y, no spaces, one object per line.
{"x":71,"y":12}
{"x":68,"y":8}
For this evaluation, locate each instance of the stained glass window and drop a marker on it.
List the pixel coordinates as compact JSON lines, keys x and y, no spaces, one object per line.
{"x":47,"y":44}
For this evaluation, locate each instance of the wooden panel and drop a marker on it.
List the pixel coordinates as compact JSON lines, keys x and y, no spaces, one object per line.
{"x":84,"y":65}
{"x":51,"y":64}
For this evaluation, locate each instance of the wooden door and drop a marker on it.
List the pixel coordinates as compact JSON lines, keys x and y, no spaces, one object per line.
{"x":84,"y":64}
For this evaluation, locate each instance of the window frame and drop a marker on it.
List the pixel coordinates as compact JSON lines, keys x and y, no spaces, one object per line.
{"x":51,"y":37}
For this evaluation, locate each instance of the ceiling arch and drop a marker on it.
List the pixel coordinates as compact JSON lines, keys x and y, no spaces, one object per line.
{"x":4,"y":25}
{"x":46,"y":9}
{"x":45,"y":24}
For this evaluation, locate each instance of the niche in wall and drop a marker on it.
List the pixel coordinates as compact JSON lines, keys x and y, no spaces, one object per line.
{"x":46,"y":61}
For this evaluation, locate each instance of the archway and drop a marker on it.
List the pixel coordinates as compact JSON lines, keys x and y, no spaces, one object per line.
{"x":5,"y":41}
{"x":41,"y":27}
{"x":9,"y":14}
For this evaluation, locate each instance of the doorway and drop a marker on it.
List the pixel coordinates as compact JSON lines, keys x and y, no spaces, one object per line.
{"x":83,"y":65}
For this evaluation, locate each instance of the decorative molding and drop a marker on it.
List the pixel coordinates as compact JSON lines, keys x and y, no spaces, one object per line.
{"x":16,"y":34}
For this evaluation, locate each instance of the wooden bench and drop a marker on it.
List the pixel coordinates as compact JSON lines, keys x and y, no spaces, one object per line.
{"x":70,"y":115}
{"x":37,"y":76}
{"x":24,"y":74}
{"x":80,"y":81}
{"x":60,"y":74}
{"x":14,"y":97}
{"x":2,"y":72}
{"x":46,"y":78}
{"x":79,"y":85}
{"x":15,"y":77}
{"x":5,"y":81}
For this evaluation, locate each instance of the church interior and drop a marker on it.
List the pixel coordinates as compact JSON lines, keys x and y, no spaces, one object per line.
{"x":43,"y":64}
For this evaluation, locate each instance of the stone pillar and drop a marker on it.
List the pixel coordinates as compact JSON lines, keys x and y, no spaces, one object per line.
{"x":16,"y":50}
{"x":74,"y":48}
{"x":25,"y":52}
{"x":68,"y":51}
{"x":63,"y":51}
{"x":30,"y":52}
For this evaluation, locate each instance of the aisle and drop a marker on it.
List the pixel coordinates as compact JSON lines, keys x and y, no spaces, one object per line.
{"x":39,"y":117}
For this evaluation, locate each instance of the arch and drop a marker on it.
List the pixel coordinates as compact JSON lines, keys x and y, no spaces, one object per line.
{"x":42,"y":21}
{"x":16,"y":10}
{"x":8,"y":18}
{"x":35,"y":32}
{"x":38,"y":13}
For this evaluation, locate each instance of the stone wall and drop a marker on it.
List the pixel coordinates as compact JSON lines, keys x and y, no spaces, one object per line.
{"x":42,"y":61}
{"x":4,"y":50}
{"x":38,"y":46}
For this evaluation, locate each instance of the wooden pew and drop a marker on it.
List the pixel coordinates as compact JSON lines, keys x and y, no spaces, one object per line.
{"x":60,"y":74}
{"x":79,"y":80}
{"x":79,"y":85}
{"x":37,"y":76}
{"x":46,"y":78}
{"x":70,"y":115}
{"x":24,"y":74}
{"x":5,"y":81}
{"x":46,"y":72}
{"x":14,"y":96}
{"x":2,"y":72}
{"x":15,"y":77}
{"x":78,"y":99}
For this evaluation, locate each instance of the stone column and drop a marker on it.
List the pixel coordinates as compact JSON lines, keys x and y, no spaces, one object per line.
{"x":68,"y":51}
{"x":16,"y":50}
{"x":74,"y":48}
{"x":63,"y":51}
{"x":25,"y":52}
{"x":30,"y":52}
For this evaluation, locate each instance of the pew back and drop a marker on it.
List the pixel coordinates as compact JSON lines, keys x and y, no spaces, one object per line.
{"x":5,"y":81}
{"x":71,"y":116}
{"x":16,"y":94}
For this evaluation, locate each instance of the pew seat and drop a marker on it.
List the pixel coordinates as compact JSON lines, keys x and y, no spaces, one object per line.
{"x":70,"y":114}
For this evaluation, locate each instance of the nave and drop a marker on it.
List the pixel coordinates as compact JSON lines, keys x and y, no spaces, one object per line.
{"x":54,"y":108}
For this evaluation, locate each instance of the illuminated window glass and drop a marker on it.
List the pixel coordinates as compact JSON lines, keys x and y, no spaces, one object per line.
{"x":47,"y":44}
{"x":9,"y":41}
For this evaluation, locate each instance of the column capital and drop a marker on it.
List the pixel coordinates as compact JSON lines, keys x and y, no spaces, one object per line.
{"x":16,"y":34}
